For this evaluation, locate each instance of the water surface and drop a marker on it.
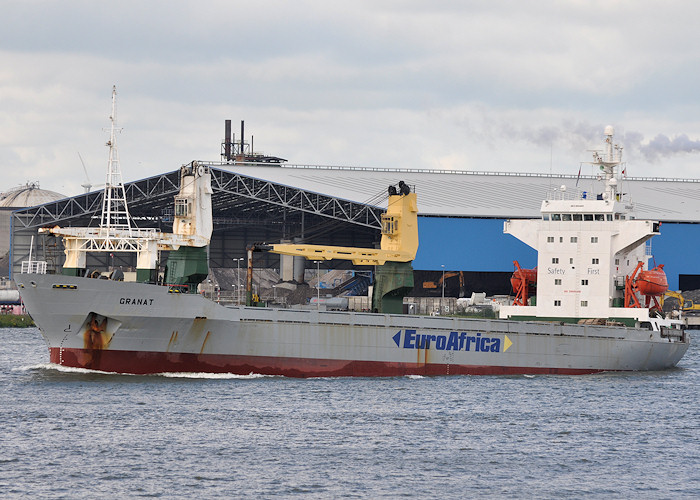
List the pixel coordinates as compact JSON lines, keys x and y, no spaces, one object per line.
{"x":67,"y":433}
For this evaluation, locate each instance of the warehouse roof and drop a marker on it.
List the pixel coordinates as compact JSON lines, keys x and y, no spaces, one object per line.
{"x":480,"y":194}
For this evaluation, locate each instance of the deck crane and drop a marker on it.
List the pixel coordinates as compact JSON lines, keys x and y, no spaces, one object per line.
{"x":192,"y":226}
{"x":399,"y":244}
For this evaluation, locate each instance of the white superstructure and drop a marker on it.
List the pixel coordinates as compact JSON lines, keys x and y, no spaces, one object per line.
{"x":587,"y":243}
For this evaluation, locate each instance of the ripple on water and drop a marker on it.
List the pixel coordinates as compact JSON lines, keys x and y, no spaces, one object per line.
{"x":79,"y":433}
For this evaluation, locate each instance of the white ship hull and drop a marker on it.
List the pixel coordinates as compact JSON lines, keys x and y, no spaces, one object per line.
{"x":139,"y":328}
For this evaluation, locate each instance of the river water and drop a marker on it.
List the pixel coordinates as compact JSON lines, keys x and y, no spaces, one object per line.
{"x":67,"y":433}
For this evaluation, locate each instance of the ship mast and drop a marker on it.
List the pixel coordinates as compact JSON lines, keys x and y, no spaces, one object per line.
{"x":192,"y":227}
{"x":608,"y":162}
{"x":115,"y":212}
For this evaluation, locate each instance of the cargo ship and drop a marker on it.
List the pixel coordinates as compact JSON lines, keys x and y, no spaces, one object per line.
{"x":589,"y":306}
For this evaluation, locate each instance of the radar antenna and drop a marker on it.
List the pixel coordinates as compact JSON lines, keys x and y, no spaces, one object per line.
{"x":608,"y":161}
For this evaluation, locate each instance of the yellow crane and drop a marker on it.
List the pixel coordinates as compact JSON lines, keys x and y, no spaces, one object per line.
{"x":399,"y":236}
{"x":398,"y":247}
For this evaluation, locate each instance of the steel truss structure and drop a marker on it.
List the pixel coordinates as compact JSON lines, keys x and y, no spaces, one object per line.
{"x":246,"y":210}
{"x":233,"y":187}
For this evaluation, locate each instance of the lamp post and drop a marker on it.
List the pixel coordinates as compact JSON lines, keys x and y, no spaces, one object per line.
{"x":238,"y":279}
{"x":443,"y":282}
{"x":442,"y":300}
{"x":318,"y":284}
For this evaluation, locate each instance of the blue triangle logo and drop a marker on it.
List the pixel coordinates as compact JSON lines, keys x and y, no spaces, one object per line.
{"x":397,"y":338}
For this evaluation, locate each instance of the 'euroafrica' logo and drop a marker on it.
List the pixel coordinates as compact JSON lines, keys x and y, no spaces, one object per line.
{"x":454,"y":341}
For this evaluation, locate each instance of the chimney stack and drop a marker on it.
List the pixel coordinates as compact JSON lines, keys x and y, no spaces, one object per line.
{"x":227,"y":140}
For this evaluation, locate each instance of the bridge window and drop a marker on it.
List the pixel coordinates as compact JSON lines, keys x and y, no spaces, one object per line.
{"x":587,"y":217}
{"x":389,"y":224}
{"x":181,"y":207}
{"x":578,"y":217}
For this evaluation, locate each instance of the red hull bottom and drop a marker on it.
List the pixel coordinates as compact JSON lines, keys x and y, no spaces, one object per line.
{"x":141,"y":363}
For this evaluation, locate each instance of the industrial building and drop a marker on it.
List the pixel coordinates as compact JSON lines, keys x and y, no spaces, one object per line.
{"x":461,"y":217}
{"x":27,"y":195}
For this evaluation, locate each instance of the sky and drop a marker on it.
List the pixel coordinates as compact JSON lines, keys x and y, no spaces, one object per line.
{"x":489,"y":86}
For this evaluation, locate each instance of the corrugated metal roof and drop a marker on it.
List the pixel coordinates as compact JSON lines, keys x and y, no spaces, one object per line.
{"x":482,"y":194}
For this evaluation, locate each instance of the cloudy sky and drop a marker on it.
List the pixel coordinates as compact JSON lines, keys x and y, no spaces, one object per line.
{"x":472,"y":85}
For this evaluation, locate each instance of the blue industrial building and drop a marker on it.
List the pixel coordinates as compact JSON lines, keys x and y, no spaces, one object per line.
{"x":461,"y":214}
{"x":469,"y":245}
{"x":480,"y":245}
